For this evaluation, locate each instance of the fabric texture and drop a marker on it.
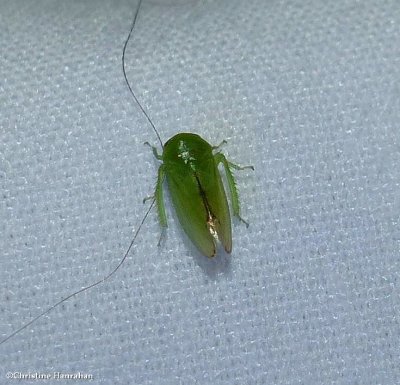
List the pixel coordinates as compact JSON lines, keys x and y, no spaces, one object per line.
{"x":306,"y":91}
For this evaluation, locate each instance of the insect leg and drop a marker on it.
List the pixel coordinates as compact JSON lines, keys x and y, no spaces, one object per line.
{"x":219,"y":145}
{"x":155,"y":152}
{"x":159,"y":198}
{"x":236,"y":167}
{"x":220,"y":158}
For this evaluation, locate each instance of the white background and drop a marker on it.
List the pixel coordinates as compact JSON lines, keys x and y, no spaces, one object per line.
{"x":307,"y":92}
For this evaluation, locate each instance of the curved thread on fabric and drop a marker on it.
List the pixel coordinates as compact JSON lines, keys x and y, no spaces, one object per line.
{"x":104,"y":279}
{"x":126,"y":78}
{"x":109,"y":275}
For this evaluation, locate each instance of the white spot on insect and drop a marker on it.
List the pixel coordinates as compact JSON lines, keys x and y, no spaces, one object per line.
{"x":211,"y":226}
{"x":184,"y":153}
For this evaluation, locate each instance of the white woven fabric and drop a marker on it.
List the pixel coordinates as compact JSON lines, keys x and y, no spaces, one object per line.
{"x":307,"y":92}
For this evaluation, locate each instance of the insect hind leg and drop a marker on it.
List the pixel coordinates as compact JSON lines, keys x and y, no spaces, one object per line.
{"x":220,"y":158}
{"x":158,"y":197}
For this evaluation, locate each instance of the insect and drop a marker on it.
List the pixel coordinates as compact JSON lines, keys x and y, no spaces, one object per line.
{"x":190,"y":167}
{"x":197,"y":192}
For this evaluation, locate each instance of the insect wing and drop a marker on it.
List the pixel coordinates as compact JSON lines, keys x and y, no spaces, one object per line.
{"x":190,"y":210}
{"x":211,"y":182}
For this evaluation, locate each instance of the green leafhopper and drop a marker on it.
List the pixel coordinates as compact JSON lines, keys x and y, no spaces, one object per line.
{"x":191,"y":170}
